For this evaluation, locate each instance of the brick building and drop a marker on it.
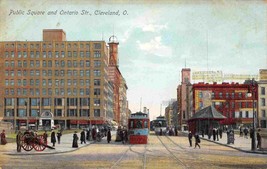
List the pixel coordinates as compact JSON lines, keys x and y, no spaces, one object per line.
{"x":58,"y":82}
{"x":231,"y":99}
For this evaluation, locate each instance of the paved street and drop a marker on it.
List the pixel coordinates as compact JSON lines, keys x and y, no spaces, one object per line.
{"x":161,"y":152}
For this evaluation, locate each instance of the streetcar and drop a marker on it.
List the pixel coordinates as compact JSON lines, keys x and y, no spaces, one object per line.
{"x":138,"y":128}
{"x":160,"y":125}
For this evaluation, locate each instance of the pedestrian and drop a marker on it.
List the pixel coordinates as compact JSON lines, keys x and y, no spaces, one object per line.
{"x":190,"y":138}
{"x":241,"y":131}
{"x":217,"y":134}
{"x":3,"y":137}
{"x":53,"y":137}
{"x":176,"y":131}
{"x":259,"y":139}
{"x":94,"y":133}
{"x":246,"y":132}
{"x":59,"y":134}
{"x":87,"y":135}
{"x":45,"y":137}
{"x":18,"y":141}
{"x":197,"y":140}
{"x":214,"y":134}
{"x":109,"y":136}
{"x":75,"y":140}
{"x":83,"y":137}
{"x":202,"y":132}
{"x":125,"y":136}
{"x":121,"y":135}
{"x":220,"y":132}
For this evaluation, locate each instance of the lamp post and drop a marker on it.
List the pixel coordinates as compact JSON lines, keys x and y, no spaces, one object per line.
{"x":251,"y":93}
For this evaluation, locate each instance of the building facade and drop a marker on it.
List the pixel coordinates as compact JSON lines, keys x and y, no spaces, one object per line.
{"x":58,"y":82}
{"x":123,"y":103}
{"x":231,"y":99}
{"x":183,"y":99}
{"x":262,"y":86}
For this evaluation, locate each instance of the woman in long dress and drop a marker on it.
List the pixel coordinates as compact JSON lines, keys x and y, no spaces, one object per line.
{"x":3,"y":138}
{"x":75,"y":140}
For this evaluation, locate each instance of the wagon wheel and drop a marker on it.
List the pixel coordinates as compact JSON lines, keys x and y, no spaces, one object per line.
{"x":26,"y":142}
{"x":39,"y":143}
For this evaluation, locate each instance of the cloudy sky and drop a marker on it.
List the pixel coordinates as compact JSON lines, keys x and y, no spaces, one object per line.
{"x":155,"y":38}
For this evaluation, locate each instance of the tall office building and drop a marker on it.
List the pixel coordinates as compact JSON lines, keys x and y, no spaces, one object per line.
{"x":55,"y":82}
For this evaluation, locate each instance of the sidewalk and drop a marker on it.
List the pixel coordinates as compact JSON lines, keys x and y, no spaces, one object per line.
{"x":240,"y":143}
{"x":64,"y":146}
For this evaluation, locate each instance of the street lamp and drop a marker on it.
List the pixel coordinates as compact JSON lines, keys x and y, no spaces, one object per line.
{"x":251,"y":93}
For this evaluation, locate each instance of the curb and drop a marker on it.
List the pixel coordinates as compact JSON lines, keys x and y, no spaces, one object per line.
{"x":226,"y":145}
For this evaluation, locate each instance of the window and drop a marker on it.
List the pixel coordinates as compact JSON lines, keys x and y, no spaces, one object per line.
{"x":58,"y":102}
{"x":75,"y":73}
{"x":97,"y":73}
{"x":25,"y":54}
{"x":44,"y":82}
{"x":69,"y":73}
{"x":262,"y":101}
{"x":6,"y":63}
{"x":96,"y":92}
{"x":97,"y":82}
{"x":49,"y":72}
{"x":262,"y":90}
{"x":74,"y":82}
{"x":19,"y":63}
{"x":9,"y":101}
{"x":200,"y":95}
{"x":87,"y":63}
{"x":74,"y":54}
{"x":84,"y":102}
{"x":49,"y":63}
{"x":35,"y":102}
{"x":31,"y":54}
{"x":233,"y":105}
{"x":246,"y":114}
{"x":233,"y":95}
{"x":96,"y":102}
{"x":97,"y":63}
{"x":9,"y":112}
{"x":46,"y":101}
{"x":69,"y":63}
{"x":81,"y":63}
{"x":74,"y":63}
{"x":44,"y":63}
{"x":69,"y":54}
{"x":97,"y":45}
{"x":220,"y":95}
{"x":240,"y":95}
{"x":81,"y":54}
{"x":22,"y":113}
{"x":49,"y":54}
{"x":44,"y":54}
{"x":69,"y":82}
{"x":263,"y":113}
{"x":22,"y":102}
{"x":25,"y":63}
{"x":19,"y":54}
{"x":87,"y":54}
{"x":37,"y":63}
{"x":81,"y":92}
{"x":240,"y":114}
{"x":57,"y":63}
{"x":62,"y":54}
{"x":227,"y":95}
{"x":97,"y":54}
{"x":12,"y":54}
{"x":81,"y":73}
{"x":72,"y":102}
{"x":97,"y":112}
{"x":57,"y":54}
{"x":62,"y":63}
{"x":81,"y":82}
{"x":87,"y":81}
{"x":58,"y":112}
{"x":6,"y":82}
{"x":87,"y":73}
{"x":72,"y":112}
{"x":6,"y":54}
{"x":84,"y":113}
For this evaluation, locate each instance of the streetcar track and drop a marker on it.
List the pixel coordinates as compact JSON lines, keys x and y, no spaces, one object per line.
{"x":120,"y":159}
{"x":174,"y":156}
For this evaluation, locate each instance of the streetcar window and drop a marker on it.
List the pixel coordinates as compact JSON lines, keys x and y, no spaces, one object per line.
{"x":145,"y":124}
{"x":139,"y":124}
{"x":131,"y":124}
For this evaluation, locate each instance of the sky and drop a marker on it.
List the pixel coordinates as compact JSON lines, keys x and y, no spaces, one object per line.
{"x":156,"y":38}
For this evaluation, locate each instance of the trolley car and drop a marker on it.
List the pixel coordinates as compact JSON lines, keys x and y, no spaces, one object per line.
{"x":138,"y":127}
{"x":160,"y":125}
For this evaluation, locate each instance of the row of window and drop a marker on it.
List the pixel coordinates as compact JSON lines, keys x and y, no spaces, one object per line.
{"x":50,"y":92}
{"x":51,"y":54}
{"x":57,"y":45}
{"x":57,"y":113}
{"x":49,"y":63}
{"x":233,"y":105}
{"x":61,"y":73}
{"x":50,"y":101}
{"x":225,"y":95}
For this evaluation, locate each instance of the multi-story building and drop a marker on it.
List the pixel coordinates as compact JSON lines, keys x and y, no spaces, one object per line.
{"x":55,"y":81}
{"x":262,"y":86}
{"x":115,"y":76}
{"x":123,"y":102}
{"x":231,"y":99}
{"x":183,"y":99}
